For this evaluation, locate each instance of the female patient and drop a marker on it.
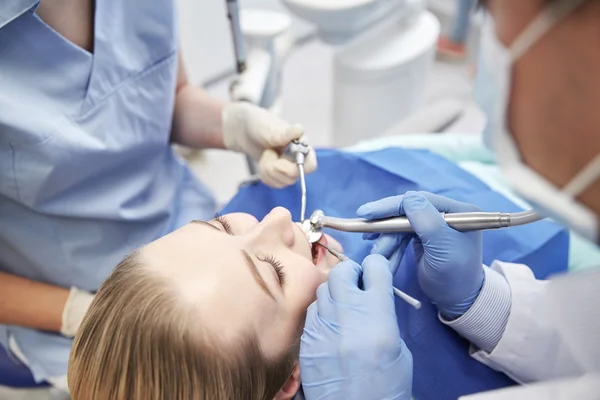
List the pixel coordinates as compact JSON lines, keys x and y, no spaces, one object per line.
{"x":213,"y":310}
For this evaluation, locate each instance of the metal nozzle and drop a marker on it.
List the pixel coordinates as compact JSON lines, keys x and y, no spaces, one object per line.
{"x":303,"y":190}
{"x":297,"y":151}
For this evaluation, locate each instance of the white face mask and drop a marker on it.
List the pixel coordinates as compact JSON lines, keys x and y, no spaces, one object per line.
{"x":492,"y":94}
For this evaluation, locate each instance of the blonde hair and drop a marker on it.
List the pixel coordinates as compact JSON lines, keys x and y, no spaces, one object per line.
{"x":139,"y":341}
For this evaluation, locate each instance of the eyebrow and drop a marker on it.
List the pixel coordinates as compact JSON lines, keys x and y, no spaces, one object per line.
{"x":254,"y":269}
{"x":251,"y":264}
{"x":197,"y":221}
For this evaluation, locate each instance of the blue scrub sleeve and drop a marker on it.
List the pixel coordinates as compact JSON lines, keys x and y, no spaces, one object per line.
{"x":10,"y":10}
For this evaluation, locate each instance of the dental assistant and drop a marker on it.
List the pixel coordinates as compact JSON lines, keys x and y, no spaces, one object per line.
{"x":540,"y":89}
{"x":92,"y":94}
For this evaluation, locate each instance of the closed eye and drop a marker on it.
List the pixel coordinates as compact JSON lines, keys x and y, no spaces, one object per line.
{"x":224,"y":223}
{"x":277,"y":267}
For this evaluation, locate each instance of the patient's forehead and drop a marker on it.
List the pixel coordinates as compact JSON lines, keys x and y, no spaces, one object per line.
{"x":209,"y":271}
{"x":189,"y":243}
{"x":192,"y":255}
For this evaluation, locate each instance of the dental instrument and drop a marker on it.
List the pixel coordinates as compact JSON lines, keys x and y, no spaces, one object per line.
{"x":233,"y":14}
{"x":239,"y":50}
{"x":468,"y":221}
{"x":397,"y":292}
{"x":297,"y":151}
{"x":261,"y":41}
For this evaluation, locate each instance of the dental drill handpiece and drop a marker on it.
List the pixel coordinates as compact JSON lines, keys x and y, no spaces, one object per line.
{"x":468,"y":221}
{"x":297,"y":151}
{"x":397,"y":292}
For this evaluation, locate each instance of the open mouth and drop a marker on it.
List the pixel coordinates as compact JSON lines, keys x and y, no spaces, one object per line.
{"x":318,"y":252}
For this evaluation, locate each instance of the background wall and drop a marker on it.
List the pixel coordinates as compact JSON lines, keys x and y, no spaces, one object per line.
{"x":307,"y":80}
{"x":205,"y":36}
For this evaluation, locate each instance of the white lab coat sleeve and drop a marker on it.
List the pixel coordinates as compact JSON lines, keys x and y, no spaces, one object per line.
{"x":583,"y":387}
{"x":484,"y":323}
{"x":529,"y":349}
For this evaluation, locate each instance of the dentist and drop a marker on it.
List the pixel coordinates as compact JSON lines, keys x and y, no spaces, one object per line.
{"x":540,"y":89}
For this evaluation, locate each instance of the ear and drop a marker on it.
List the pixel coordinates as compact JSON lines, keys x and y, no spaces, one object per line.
{"x":291,"y":387}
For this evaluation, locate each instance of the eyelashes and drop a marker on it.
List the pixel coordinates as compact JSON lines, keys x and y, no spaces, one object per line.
{"x":224,"y":223}
{"x":276,"y":264}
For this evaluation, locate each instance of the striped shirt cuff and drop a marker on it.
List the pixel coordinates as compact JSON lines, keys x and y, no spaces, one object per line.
{"x":484,"y":323}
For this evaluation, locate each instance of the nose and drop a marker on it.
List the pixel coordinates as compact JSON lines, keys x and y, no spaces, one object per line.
{"x":276,"y":227}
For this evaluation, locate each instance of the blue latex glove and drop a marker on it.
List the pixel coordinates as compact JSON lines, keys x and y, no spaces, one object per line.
{"x":351,"y":346}
{"x":449,"y":262}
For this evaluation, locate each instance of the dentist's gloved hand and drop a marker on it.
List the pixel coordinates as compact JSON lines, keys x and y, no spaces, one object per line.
{"x":263,"y":136}
{"x":450,"y":265}
{"x":75,"y":309}
{"x":351,"y":346}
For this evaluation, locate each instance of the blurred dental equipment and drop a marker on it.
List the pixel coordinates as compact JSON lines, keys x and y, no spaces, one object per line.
{"x":239,"y":49}
{"x":397,"y":292}
{"x":298,"y":151}
{"x":233,"y":14}
{"x":384,"y":51}
{"x":468,"y":221}
{"x":261,"y":40}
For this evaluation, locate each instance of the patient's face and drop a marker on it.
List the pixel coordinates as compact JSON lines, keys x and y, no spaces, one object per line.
{"x":245,"y":275}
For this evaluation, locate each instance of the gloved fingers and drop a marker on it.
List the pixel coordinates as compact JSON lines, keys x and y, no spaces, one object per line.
{"x":386,"y":207}
{"x":275,"y":171}
{"x":406,"y":355}
{"x":376,"y":275}
{"x":393,"y":247}
{"x":324,"y":303}
{"x":310,"y":162}
{"x":388,"y":243}
{"x":396,"y":258}
{"x":312,"y":315}
{"x":281,"y":173}
{"x":271,"y":181}
{"x":418,"y":249}
{"x":370,"y":236}
{"x":442,"y":203}
{"x":385,"y":244}
{"x":291,"y":132}
{"x":393,"y":206}
{"x":425,"y":219}
{"x":343,"y":282}
{"x":278,"y":133}
{"x":278,"y":172}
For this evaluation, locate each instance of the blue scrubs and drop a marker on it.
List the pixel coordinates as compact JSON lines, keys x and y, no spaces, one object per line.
{"x":86,"y":170}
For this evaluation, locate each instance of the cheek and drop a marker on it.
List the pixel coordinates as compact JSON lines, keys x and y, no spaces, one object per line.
{"x":303,"y":287}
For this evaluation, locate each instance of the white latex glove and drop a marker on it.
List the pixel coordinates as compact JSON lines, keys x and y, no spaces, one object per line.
{"x":77,"y":305}
{"x":263,"y":136}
